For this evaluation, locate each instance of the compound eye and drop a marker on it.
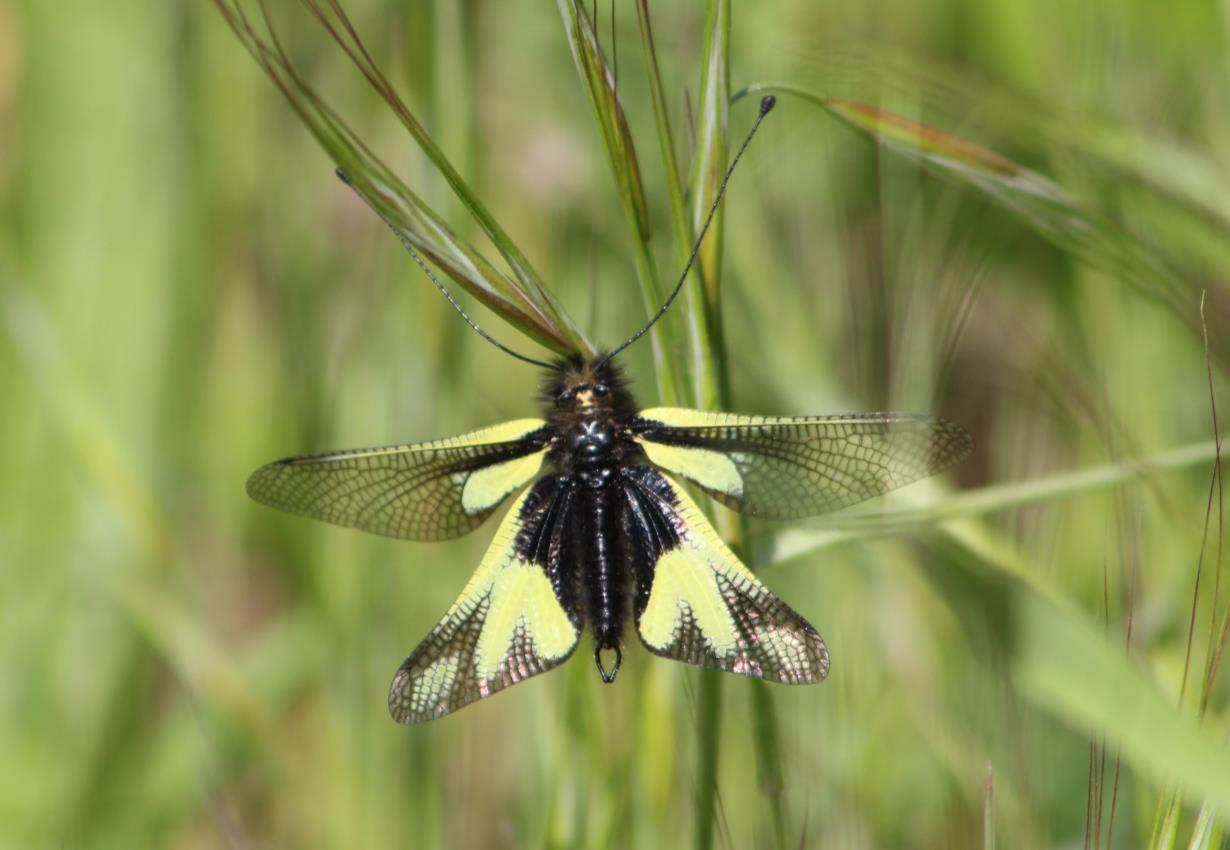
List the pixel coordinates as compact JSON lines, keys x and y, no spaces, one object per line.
{"x":600,"y":389}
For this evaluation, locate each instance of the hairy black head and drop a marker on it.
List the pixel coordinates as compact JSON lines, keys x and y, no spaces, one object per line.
{"x":575,"y":388}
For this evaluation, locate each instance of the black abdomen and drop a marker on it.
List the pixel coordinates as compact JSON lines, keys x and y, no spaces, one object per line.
{"x":603,"y":566}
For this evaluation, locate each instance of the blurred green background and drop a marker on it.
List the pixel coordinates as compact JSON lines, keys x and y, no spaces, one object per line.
{"x":187,"y":292}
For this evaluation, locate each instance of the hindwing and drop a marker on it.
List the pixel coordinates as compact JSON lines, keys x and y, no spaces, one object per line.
{"x":515,"y":618}
{"x":424,"y":491}
{"x":696,"y":602}
{"x":783,"y":468}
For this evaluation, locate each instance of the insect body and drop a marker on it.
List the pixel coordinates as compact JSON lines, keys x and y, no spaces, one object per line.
{"x":605,"y":534}
{"x":603,"y":531}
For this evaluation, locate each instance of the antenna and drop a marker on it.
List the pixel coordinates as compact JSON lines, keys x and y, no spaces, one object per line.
{"x":422,"y":265}
{"x":766,"y":104}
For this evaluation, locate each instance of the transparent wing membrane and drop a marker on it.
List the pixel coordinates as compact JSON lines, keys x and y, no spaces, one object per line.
{"x":699,"y":604}
{"x":779,"y":468}
{"x":510,"y":622}
{"x":424,"y":491}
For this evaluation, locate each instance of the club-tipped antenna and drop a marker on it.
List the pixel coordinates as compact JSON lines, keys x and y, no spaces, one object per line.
{"x":766,"y":104}
{"x":443,"y":290}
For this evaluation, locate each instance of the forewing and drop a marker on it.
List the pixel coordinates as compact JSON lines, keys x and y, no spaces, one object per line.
{"x":514,"y":619}
{"x":782,"y":468}
{"x":699,"y":604}
{"x":425,"y":491}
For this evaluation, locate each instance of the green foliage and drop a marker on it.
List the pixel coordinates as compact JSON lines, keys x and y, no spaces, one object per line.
{"x":1017,"y":236}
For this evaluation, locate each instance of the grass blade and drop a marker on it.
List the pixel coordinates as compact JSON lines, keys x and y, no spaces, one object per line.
{"x":1208,"y":832}
{"x":711,"y":387}
{"x":1042,"y":204}
{"x":1066,"y":665}
{"x":1166,"y":829}
{"x":709,"y":161}
{"x":1068,"y":668}
{"x":708,"y":755}
{"x":599,"y":82}
{"x":1139,"y":165}
{"x":851,"y":525}
{"x":666,"y":139}
{"x":770,"y":777}
{"x":988,"y":811}
{"x":608,"y":111}
{"x":344,"y":33}
{"x":523,"y":303}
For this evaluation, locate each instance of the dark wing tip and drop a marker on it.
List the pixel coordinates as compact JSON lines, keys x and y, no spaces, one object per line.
{"x":399,"y":697}
{"x":259,"y":485}
{"x":255,"y":486}
{"x":818,"y":660}
{"x":953,"y":443}
{"x":822,"y":672}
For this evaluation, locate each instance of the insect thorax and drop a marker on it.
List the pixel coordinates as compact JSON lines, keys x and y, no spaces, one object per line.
{"x":589,"y":408}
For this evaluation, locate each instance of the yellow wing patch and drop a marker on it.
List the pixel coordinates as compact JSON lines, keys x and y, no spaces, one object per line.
{"x":791,"y":467}
{"x":706,"y":608}
{"x":711,"y":470}
{"x":685,"y":586}
{"x":522,"y":602}
{"x":420,"y":491}
{"x":507,"y":625}
{"x":486,"y":488}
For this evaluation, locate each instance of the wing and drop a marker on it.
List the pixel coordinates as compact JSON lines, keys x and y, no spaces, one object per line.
{"x":696,"y":602}
{"x":425,"y":491}
{"x":515,"y":618}
{"x":792,"y":468}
